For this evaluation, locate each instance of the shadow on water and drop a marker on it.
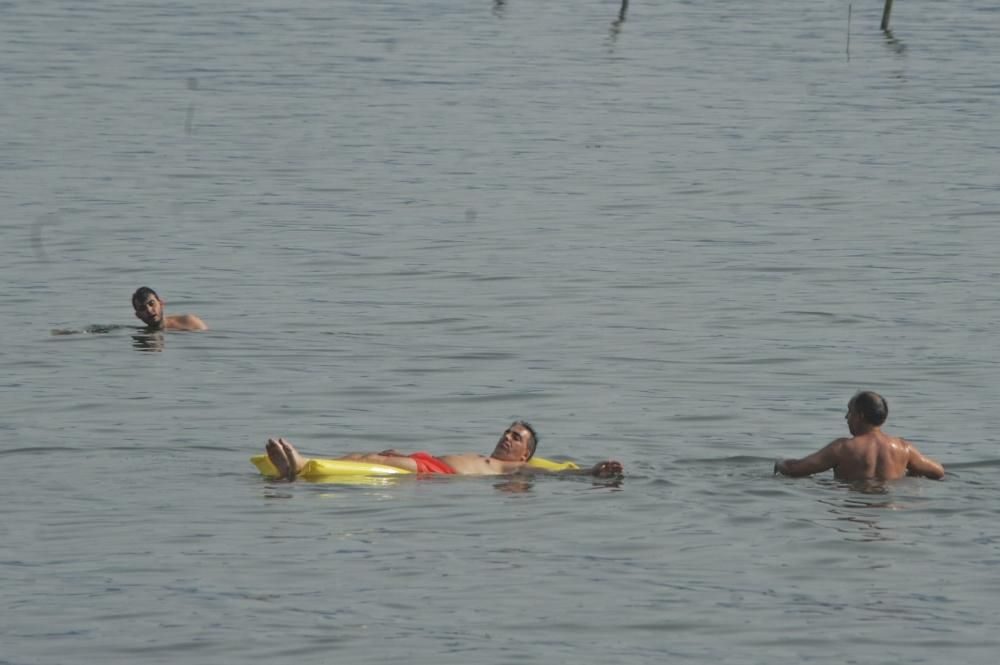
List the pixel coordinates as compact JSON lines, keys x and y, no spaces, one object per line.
{"x":516,"y":485}
{"x":860,"y":529}
{"x":869,"y":486}
{"x":896,"y":45}
{"x":524,"y":484}
{"x":192,"y":84}
{"x":852,"y":514}
{"x":616,"y":25}
{"x":37,"y":241}
{"x":143,"y":340}
{"x":148,"y":342}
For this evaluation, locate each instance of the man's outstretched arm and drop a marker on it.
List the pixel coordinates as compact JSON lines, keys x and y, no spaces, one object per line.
{"x":821,"y":460}
{"x":918,"y":465}
{"x":606,"y":469}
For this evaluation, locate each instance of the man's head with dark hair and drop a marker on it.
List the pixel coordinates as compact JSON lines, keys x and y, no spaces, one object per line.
{"x":141,"y":295}
{"x":517,"y":443}
{"x":871,"y":406}
{"x":534,"y":436}
{"x":148,"y":307}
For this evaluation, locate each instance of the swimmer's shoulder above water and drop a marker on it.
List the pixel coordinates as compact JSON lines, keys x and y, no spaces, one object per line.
{"x":149,"y":308}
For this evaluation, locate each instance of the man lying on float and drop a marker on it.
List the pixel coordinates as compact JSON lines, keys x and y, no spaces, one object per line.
{"x":511,"y":455}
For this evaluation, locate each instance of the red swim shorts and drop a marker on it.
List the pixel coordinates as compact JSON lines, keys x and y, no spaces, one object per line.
{"x":427,"y":463}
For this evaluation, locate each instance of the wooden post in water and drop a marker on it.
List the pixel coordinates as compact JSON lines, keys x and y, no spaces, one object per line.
{"x":885,"y":15}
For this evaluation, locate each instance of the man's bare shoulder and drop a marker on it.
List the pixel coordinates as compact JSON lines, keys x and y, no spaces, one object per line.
{"x":840,"y":445}
{"x":184,"y":322}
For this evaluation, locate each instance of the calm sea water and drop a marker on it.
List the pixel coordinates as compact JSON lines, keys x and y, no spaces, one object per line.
{"x":682,"y":240}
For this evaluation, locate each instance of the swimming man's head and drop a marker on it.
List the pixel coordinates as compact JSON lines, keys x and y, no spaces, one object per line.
{"x":517,"y":443}
{"x":148,"y":307}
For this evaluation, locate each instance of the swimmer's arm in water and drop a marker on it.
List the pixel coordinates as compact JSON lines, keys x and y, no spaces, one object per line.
{"x":825,"y":458}
{"x":606,"y":469}
{"x":918,"y":465}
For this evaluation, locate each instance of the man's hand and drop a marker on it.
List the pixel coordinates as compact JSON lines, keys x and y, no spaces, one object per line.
{"x":608,"y":469}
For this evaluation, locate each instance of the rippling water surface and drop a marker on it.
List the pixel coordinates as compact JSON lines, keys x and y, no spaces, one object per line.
{"x":677,"y":234}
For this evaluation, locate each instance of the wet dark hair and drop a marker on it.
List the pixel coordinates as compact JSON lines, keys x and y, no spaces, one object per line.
{"x":141,"y":294}
{"x":534,"y":435}
{"x":872,"y":406}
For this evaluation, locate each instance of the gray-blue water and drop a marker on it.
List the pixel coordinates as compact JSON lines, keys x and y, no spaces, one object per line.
{"x":683,"y":240}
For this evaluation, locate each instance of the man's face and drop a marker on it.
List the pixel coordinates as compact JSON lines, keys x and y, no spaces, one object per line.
{"x":515,"y":444}
{"x":853,"y":418}
{"x":150,"y":311}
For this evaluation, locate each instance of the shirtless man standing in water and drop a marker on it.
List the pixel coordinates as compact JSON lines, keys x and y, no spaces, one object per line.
{"x":149,"y":309}
{"x":870,"y":453}
{"x":511,"y":454}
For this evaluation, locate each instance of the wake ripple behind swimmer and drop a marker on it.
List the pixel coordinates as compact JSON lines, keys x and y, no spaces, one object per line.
{"x":96,"y":329}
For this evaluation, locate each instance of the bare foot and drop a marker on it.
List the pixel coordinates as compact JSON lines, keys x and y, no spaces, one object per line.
{"x":608,"y":469}
{"x":295,"y":459}
{"x":276,"y":453}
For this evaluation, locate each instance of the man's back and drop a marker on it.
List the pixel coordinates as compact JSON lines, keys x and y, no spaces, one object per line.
{"x":872,"y":455}
{"x":869,"y":454}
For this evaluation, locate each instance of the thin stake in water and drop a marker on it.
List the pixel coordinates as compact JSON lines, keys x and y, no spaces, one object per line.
{"x":885,"y":15}
{"x":848,"y":33}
